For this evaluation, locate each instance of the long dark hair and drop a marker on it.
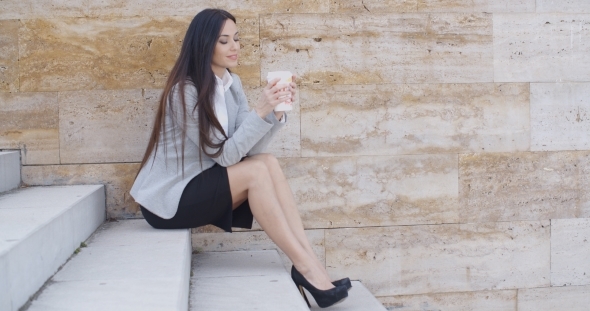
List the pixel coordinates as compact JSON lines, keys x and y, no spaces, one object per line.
{"x":193,"y":66}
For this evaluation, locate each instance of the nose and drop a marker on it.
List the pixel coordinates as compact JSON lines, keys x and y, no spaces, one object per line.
{"x":235,"y":45}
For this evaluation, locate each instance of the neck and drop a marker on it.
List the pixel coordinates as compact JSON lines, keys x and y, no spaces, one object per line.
{"x":219,"y":71}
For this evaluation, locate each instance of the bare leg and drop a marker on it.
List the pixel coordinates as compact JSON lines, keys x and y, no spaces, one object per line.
{"x":287,"y":202}
{"x":251,"y":179}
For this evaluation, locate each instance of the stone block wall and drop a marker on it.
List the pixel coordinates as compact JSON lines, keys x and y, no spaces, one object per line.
{"x":439,"y":150}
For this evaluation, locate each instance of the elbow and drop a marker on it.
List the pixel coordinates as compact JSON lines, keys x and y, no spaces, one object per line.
{"x":227,"y":161}
{"x":223,"y":163}
{"x":254,"y":152}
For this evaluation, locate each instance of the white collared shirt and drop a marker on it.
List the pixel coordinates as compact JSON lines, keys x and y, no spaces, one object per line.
{"x":221,"y":86}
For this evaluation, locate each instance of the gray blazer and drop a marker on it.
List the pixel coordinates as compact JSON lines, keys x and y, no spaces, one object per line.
{"x":161,"y":181}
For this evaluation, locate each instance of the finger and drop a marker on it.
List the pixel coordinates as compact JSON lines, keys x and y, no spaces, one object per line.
{"x":274,"y":93}
{"x":279,"y":97}
{"x":278,"y":88}
{"x":293,"y":88}
{"x":288,"y":99}
{"x":271,"y":94}
{"x":283,"y":94}
{"x":272,"y":83}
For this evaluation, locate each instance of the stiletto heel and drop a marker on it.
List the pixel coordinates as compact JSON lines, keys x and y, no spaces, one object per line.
{"x":324,"y":298}
{"x":304,"y":296}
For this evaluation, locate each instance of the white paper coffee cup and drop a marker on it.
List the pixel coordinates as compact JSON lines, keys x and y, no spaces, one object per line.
{"x":286,"y":78}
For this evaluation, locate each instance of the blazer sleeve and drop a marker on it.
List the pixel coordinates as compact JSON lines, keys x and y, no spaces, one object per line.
{"x":252,"y":129}
{"x":244,"y":110}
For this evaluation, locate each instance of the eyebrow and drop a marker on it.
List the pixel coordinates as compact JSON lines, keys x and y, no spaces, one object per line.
{"x":228,"y":35}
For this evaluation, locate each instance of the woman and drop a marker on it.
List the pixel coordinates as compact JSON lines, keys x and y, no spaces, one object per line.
{"x":203,"y":164}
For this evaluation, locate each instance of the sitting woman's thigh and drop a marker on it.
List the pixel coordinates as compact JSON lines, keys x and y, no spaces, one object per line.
{"x":241,"y":177}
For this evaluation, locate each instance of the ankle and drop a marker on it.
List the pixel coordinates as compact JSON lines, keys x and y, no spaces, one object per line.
{"x":303,"y":268}
{"x":316,"y":277}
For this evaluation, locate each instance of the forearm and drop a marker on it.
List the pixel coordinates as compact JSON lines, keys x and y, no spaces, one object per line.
{"x":250,"y":134}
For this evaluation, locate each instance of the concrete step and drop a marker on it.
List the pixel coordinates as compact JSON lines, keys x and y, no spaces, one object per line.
{"x":359,"y":298}
{"x":9,"y":170}
{"x":127,"y":266}
{"x":40,"y":228}
{"x":242,"y":280}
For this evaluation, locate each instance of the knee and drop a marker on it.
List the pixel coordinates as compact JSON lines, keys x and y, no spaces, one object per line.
{"x":258,"y":170}
{"x":269,"y":160}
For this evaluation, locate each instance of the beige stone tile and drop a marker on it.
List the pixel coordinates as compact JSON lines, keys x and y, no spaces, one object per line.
{"x":373,"y":6}
{"x":560,"y":116}
{"x":249,"y":58}
{"x":29,"y":9}
{"x":584,"y":200}
{"x":374,"y":191}
{"x":379,"y":48}
{"x":103,"y":126}
{"x":570,"y":6}
{"x":570,"y":252}
{"x":411,"y":260}
{"x":107,"y":53}
{"x":570,"y":298}
{"x":117,"y":179}
{"x":523,"y":186}
{"x":287,"y":142}
{"x":270,"y":6}
{"x":504,"y":300}
{"x":115,"y":53}
{"x":9,"y":55}
{"x":29,"y":121}
{"x":252,"y":240}
{"x":541,"y":47}
{"x":399,"y":6}
{"x":414,"y":119}
{"x":489,"y":6}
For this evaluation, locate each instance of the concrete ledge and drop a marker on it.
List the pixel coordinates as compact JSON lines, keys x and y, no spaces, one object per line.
{"x":9,"y":170}
{"x":39,"y":230}
{"x":128,"y":265}
{"x":243,"y":280}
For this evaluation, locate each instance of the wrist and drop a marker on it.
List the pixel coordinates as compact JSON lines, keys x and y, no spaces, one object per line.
{"x":260,"y":113}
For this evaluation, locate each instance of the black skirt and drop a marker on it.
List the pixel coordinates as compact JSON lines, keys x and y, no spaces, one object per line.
{"x":206,"y":199}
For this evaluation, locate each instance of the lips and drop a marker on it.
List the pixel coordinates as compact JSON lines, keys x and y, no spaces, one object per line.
{"x":233,"y":57}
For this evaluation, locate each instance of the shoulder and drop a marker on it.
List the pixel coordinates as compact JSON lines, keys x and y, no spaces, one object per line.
{"x":188,"y":85}
{"x":189,"y":88}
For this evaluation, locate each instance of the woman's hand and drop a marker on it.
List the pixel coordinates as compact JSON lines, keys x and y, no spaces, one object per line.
{"x":271,"y":96}
{"x":291,"y":99}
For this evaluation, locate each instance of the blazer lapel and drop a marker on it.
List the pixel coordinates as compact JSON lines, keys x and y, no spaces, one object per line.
{"x":232,"y":111}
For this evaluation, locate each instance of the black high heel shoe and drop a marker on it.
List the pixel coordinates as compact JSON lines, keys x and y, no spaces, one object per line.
{"x":343,"y":282}
{"x":324,"y":298}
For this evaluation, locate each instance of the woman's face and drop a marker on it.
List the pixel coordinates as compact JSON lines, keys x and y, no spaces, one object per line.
{"x":227,"y":49}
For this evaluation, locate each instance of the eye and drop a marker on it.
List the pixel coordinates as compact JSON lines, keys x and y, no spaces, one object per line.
{"x":223,"y":42}
{"x":236,"y":39}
